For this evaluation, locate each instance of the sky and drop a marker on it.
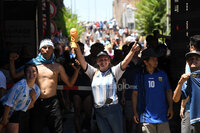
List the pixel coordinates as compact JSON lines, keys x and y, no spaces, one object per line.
{"x":91,"y":10}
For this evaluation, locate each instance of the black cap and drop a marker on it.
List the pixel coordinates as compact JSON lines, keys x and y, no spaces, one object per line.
{"x":149,"y":52}
{"x":189,"y":54}
{"x":102,"y":53}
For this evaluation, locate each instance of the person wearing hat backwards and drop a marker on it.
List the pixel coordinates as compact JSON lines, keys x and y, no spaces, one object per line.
{"x":104,"y":87}
{"x":152,"y":97}
{"x":192,"y":89}
{"x":47,"y":110}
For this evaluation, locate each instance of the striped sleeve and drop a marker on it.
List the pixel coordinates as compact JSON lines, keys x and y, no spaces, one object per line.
{"x":117,"y":71}
{"x":90,"y":70}
{"x":10,"y":98}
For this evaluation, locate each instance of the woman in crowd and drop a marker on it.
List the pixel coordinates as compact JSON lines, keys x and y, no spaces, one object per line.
{"x":20,"y":97}
{"x":104,"y":78}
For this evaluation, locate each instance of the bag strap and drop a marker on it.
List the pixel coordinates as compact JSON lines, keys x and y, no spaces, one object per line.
{"x":113,"y":75}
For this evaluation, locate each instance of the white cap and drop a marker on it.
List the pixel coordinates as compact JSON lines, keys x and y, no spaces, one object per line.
{"x":46,"y":42}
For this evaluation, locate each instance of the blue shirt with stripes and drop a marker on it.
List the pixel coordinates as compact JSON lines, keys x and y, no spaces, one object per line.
{"x":187,"y":70}
{"x":104,"y":84}
{"x":193,"y":91}
{"x":18,"y":97}
{"x":187,"y":105}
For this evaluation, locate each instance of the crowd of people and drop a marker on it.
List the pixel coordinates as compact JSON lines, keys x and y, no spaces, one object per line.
{"x":127,"y":75}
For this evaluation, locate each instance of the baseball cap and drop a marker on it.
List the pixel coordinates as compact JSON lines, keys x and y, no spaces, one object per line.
{"x":149,"y":52}
{"x":189,"y":54}
{"x":102,"y":53}
{"x":46,"y":42}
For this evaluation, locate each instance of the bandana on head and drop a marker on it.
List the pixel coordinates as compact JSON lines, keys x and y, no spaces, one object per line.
{"x":40,"y":59}
{"x":46,"y":42}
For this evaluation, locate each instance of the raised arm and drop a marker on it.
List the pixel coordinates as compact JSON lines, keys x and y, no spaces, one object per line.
{"x":14,"y":74}
{"x":129,"y":56}
{"x":81,"y":58}
{"x":177,"y":92}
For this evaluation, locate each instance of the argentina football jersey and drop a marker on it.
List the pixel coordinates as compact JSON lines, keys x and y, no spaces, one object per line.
{"x":152,"y":101}
{"x":193,"y":91}
{"x":18,"y":97}
{"x":104,"y":84}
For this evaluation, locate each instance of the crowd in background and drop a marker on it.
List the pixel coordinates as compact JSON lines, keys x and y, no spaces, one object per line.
{"x":99,"y":36}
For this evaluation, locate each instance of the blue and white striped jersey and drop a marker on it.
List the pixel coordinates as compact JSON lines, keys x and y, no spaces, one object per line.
{"x":103,"y":84}
{"x":18,"y":97}
{"x":193,"y":91}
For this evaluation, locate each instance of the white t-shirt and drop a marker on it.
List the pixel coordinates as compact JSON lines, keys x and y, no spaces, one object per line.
{"x":103,"y":84}
{"x":2,"y":80}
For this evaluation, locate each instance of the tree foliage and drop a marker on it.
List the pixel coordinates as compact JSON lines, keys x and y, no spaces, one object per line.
{"x":151,"y":15}
{"x":66,"y":20}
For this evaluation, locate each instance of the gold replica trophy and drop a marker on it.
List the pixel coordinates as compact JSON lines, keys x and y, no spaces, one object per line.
{"x":73,"y":34}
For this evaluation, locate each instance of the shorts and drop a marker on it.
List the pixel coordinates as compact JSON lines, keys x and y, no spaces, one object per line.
{"x":155,"y":127}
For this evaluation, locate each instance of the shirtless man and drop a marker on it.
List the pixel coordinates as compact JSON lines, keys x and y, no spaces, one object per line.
{"x":47,"y":108}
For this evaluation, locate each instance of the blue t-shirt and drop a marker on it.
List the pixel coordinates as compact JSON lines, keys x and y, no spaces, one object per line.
{"x":193,"y":90}
{"x":187,"y":106}
{"x":152,"y":101}
{"x":187,"y":70}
